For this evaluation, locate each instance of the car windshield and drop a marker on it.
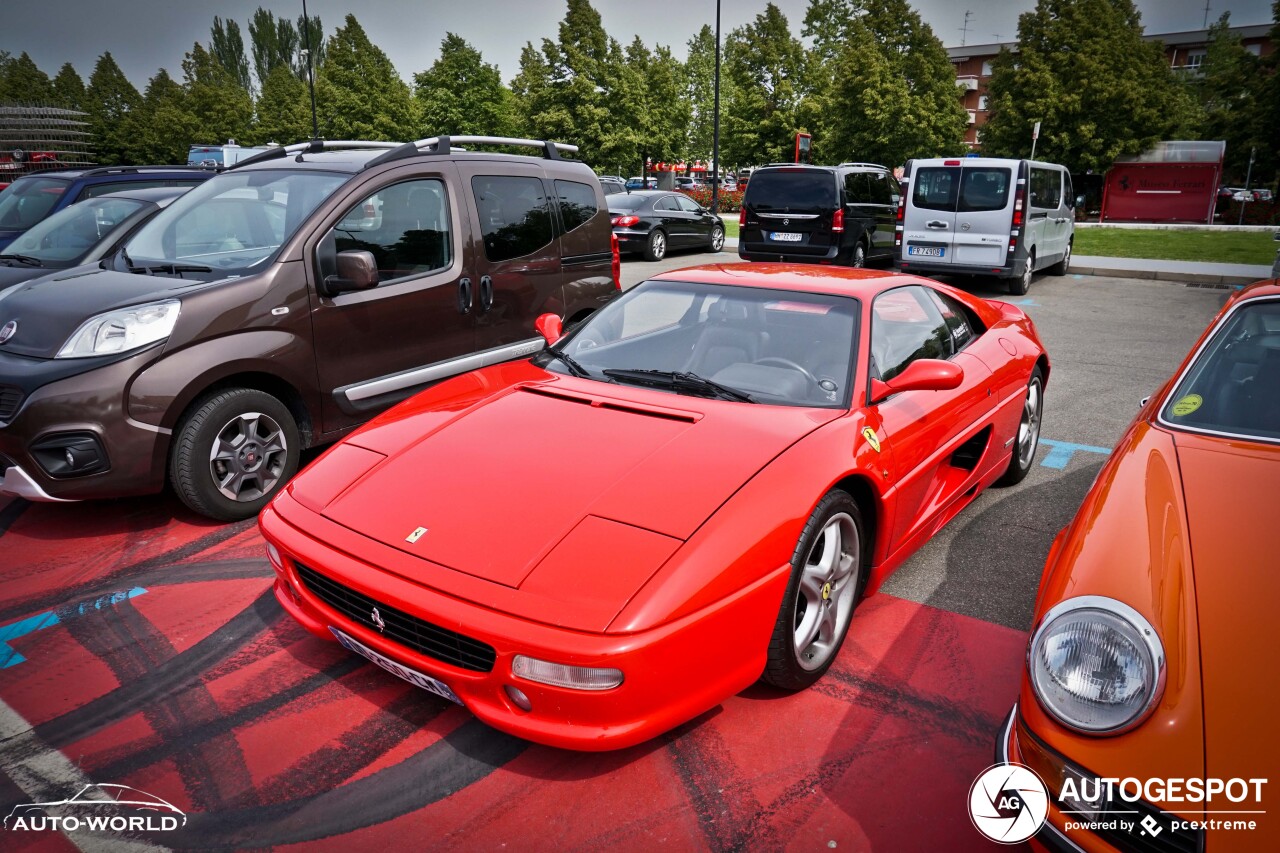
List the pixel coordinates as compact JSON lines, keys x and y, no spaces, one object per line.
{"x":69,"y":234}
{"x":1233,"y":386}
{"x":233,"y":223}
{"x":24,"y":203}
{"x":769,"y":346}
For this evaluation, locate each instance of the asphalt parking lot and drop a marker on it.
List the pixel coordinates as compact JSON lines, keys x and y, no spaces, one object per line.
{"x":140,"y":645}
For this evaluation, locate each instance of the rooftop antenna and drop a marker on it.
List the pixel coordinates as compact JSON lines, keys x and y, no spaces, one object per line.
{"x":997,"y":35}
{"x":964,"y":31}
{"x":1206,"y":14}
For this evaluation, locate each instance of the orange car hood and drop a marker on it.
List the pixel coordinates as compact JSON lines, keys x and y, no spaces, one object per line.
{"x":499,"y":486}
{"x":1231,"y":490}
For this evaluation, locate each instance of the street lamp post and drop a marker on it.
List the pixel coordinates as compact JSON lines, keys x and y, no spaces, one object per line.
{"x":715,"y":127}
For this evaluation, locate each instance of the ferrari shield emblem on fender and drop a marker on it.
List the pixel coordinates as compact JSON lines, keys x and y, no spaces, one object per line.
{"x":416,"y":534}
{"x":870,"y":435}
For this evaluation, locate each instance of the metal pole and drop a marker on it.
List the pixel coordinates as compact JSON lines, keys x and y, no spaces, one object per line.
{"x":311,"y":75}
{"x":715,"y":125}
{"x":1248,"y":176}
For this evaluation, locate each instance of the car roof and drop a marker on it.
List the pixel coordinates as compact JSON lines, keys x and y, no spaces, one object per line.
{"x":806,"y":278}
{"x":115,"y":173}
{"x":156,"y":195}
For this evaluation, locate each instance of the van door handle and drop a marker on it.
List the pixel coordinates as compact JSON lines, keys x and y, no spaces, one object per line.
{"x":464,"y":296}
{"x":936,"y":223}
{"x":486,"y":294}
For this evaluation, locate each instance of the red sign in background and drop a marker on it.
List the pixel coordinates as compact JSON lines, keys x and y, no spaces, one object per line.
{"x":1161,"y":192}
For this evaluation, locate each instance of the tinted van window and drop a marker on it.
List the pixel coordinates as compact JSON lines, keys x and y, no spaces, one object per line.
{"x":984,"y":189}
{"x":577,"y":203}
{"x":855,"y":188}
{"x":514,"y":217}
{"x":935,"y":188}
{"x":797,"y":189}
{"x":405,"y":226}
{"x":1046,"y":187}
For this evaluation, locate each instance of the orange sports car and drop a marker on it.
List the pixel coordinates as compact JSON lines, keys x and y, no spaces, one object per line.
{"x":1148,"y":704}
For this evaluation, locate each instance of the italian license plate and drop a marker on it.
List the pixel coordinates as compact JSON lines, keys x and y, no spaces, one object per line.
{"x":412,"y":676}
{"x":785,"y":236}
{"x":927,"y":251}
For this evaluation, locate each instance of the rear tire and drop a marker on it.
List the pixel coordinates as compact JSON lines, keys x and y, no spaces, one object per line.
{"x":656,"y":248}
{"x":1027,"y":439}
{"x":1022,"y":283}
{"x":1060,"y":268}
{"x":858,"y":257}
{"x":233,"y":452}
{"x":828,"y":575}
{"x":717,"y":238}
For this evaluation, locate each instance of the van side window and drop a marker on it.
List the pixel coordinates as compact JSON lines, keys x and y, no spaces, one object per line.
{"x":1046,"y":188}
{"x":577,"y":203}
{"x":882,"y":189}
{"x":405,"y":226}
{"x":515,"y":219}
{"x":906,"y":326}
{"x":855,"y":188}
{"x":935,"y":188}
{"x":984,"y":189}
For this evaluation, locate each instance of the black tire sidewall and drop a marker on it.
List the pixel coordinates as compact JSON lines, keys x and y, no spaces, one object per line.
{"x":714,"y":231}
{"x":650,"y":254}
{"x":189,"y":466}
{"x":1015,"y":473}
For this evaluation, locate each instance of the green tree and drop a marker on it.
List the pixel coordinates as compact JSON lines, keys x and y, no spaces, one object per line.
{"x":227,"y":46}
{"x":1267,"y":87}
{"x":67,"y":90}
{"x":765,"y":65}
{"x":25,"y":83}
{"x":273,"y":43}
{"x":359,"y":95}
{"x":311,"y":37}
{"x":1083,"y":70}
{"x":284,"y":108}
{"x":1228,"y":96}
{"x":662,"y":110}
{"x":530,"y":89}
{"x":699,"y":76}
{"x":161,"y":129}
{"x":220,"y":108}
{"x":462,"y":94}
{"x":109,"y":100}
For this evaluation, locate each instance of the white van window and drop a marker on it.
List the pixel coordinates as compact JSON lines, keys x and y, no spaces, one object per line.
{"x":984,"y":189}
{"x":1046,"y":188}
{"x":935,"y":188}
{"x":980,"y":188}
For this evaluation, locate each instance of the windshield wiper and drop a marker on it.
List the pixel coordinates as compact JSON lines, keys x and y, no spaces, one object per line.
{"x":23,"y":259}
{"x":678,"y":381}
{"x":152,"y":269}
{"x":569,"y":362}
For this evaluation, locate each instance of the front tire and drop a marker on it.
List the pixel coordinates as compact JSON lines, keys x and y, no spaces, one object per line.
{"x":828,"y":574}
{"x":1027,"y":439}
{"x":717,"y":238}
{"x":232,"y":452}
{"x":656,"y":248}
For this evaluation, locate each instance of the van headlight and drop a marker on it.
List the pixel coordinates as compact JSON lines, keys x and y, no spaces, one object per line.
{"x":1097,"y":666}
{"x":123,"y":330}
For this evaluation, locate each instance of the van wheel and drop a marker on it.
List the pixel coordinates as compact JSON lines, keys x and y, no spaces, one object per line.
{"x":717,"y":238}
{"x":859,"y":257}
{"x":233,"y":451}
{"x":1060,"y":268}
{"x":1020,"y":285}
{"x":656,"y":248}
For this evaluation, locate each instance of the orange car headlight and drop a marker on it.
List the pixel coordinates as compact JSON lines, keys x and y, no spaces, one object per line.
{"x":1096,"y":665}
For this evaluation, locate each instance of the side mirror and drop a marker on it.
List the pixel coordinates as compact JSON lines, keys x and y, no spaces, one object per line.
{"x":926,"y":374}
{"x":357,"y":270}
{"x":550,"y":327}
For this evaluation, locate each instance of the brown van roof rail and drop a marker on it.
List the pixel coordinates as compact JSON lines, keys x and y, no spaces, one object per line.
{"x":311,"y":146}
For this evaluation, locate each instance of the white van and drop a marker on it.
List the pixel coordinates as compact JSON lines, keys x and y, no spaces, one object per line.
{"x":985,"y":216}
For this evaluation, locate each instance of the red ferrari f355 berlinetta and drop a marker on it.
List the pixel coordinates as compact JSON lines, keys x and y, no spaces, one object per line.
{"x":687,"y":493}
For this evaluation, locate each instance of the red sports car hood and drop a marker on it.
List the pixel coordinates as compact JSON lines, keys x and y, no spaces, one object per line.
{"x":502,"y":484}
{"x":1230,"y":489}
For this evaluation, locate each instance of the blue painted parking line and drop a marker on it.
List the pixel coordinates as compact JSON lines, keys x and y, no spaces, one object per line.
{"x":1027,"y":301}
{"x":10,"y":656}
{"x":1060,"y":452}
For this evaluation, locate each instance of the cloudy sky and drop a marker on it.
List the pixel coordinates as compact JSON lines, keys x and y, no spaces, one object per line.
{"x":145,"y":35}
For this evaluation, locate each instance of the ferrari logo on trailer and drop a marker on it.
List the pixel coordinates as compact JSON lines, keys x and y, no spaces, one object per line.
{"x":870,"y":435}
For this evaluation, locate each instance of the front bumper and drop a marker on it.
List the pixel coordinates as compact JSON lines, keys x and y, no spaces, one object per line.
{"x":18,"y":483}
{"x":671,"y":673}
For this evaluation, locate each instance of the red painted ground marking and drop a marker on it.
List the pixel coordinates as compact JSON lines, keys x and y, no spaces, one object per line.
{"x":202,"y":693}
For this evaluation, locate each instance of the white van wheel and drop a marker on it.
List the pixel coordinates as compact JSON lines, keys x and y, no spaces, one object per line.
{"x":1060,"y":268}
{"x":1020,"y":285}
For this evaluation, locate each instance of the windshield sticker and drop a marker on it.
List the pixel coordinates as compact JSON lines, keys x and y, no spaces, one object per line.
{"x":1187,"y":405}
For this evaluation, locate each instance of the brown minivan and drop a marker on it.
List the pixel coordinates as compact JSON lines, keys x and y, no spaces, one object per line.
{"x":283,"y":303}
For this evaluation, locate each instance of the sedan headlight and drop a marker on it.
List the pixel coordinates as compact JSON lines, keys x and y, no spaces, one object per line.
{"x":123,"y":330}
{"x":1097,"y":666}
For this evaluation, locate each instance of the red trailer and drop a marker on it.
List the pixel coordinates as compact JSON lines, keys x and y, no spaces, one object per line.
{"x":1174,"y":182}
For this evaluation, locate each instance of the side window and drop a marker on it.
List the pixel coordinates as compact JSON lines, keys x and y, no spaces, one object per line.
{"x":935,"y":188}
{"x":906,"y":326}
{"x":577,"y":203}
{"x":405,"y":226}
{"x":855,"y":188}
{"x":96,"y":190}
{"x":687,"y":204}
{"x":665,"y":203}
{"x":881,"y":189}
{"x":1046,"y":188}
{"x":1070,"y":192}
{"x":514,"y":217}
{"x":959,"y":322}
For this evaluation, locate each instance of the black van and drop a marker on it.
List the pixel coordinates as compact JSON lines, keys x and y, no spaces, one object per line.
{"x":819,"y":214}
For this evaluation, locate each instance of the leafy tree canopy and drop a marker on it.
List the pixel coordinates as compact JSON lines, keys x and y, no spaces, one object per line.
{"x":462,"y":94}
{"x":358,"y":92}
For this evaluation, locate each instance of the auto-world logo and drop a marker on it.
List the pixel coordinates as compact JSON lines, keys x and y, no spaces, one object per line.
{"x":99,"y":808}
{"x":1008,"y":803}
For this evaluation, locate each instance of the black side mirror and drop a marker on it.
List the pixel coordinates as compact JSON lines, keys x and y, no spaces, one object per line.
{"x":357,"y":270}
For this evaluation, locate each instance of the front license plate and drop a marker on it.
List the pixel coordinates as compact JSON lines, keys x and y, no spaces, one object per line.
{"x":412,"y":676}
{"x":786,"y":236}
{"x":927,"y":251}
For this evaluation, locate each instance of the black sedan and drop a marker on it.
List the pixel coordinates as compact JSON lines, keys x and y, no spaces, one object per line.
{"x":83,"y":233}
{"x":653,"y":221}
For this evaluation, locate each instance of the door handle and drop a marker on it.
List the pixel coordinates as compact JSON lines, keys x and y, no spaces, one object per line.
{"x":464,"y":296}
{"x":936,"y":223}
{"x":486,"y":294}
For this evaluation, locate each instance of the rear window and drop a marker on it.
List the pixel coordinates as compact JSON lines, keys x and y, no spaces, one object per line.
{"x":935,"y":188}
{"x":967,"y":190}
{"x":24,"y":203}
{"x":626,"y":201}
{"x":792,"y":189}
